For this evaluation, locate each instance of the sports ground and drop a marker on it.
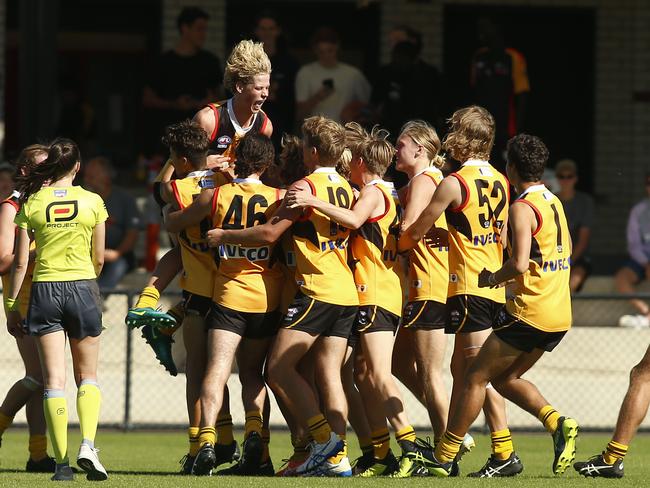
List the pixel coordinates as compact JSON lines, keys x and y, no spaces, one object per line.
{"x":149,"y":459}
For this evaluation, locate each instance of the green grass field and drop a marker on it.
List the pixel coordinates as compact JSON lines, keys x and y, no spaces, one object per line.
{"x":149,"y":459}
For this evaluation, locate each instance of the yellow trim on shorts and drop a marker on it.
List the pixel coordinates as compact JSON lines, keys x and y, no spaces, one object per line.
{"x":303,"y":315}
{"x":462,"y":324}
{"x":372,"y":321}
{"x":424,"y":304}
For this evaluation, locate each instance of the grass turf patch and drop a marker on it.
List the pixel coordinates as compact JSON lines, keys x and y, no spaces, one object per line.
{"x":150,"y":459}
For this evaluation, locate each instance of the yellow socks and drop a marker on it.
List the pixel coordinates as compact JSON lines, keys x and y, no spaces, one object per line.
{"x":614,"y":452}
{"x":253,"y":422}
{"x":300,"y":450}
{"x":266,"y":440}
{"x":224,"y":430}
{"x":193,"y":434}
{"x":502,"y":446}
{"x":549,"y":417}
{"x":207,"y":435}
{"x":56,"y":414}
{"x":405,"y":434}
{"x":37,"y":447}
{"x":88,"y":403}
{"x":319,"y":428}
{"x":148,"y":298}
{"x":380,"y":443}
{"x":366,"y":446}
{"x":448,"y":447}
{"x":5,"y":422}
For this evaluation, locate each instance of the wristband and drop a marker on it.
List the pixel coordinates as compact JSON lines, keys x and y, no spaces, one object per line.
{"x":12,"y":304}
{"x":492,"y":279}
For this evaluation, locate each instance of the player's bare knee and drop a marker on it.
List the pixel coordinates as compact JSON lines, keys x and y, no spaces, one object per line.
{"x":640,"y":373}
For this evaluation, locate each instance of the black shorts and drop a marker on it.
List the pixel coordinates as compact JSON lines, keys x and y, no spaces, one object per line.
{"x":523,"y":336}
{"x":249,"y":325}
{"x":425,"y":314}
{"x":72,"y":306}
{"x":196,"y":304}
{"x":354,"y":338}
{"x":372,"y":318}
{"x":310,"y":315}
{"x":469,"y":313}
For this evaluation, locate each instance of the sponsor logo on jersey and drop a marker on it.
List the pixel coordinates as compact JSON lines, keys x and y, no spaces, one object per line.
{"x":206,"y":183}
{"x":60,"y":193}
{"x":485,"y":171}
{"x":334,"y":178}
{"x":485,"y":239}
{"x":561,"y":264}
{"x":61,"y":211}
{"x":362,"y":289}
{"x":453,"y":278}
{"x":230,"y":251}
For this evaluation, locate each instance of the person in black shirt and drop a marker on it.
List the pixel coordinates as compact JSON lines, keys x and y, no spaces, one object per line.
{"x":280,"y":105}
{"x":182,"y":80}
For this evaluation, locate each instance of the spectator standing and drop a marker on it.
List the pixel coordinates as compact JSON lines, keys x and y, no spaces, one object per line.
{"x":182,"y":80}
{"x":499,"y":79}
{"x":637,"y":268}
{"x":280,"y":104}
{"x":122,"y":226}
{"x":579,"y":211}
{"x":327,"y":86}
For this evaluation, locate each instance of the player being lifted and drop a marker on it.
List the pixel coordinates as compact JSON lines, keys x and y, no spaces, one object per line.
{"x":475,"y":199}
{"x":245,"y":299}
{"x":188,"y":148}
{"x":377,"y":272}
{"x":246,"y":76}
{"x":533,"y":321}
{"x":320,"y":318}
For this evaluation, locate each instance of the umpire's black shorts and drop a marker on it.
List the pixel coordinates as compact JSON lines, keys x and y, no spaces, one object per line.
{"x":72,"y":306}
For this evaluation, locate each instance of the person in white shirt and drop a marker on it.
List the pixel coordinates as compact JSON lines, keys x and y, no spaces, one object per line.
{"x":327,"y":86}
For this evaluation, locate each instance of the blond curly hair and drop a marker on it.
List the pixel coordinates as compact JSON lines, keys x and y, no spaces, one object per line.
{"x":246,"y":60}
{"x":471,"y":134}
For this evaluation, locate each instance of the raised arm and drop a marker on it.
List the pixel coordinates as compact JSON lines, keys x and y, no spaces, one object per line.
{"x":192,"y":215}
{"x":370,"y":199}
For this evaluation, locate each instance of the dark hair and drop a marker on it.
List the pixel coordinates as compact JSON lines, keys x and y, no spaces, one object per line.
{"x":267,"y":14}
{"x":189,"y":15}
{"x":27,"y":157}
{"x":414,"y":37}
{"x":188,"y":139}
{"x":62,"y":155}
{"x":292,"y":167}
{"x":529,"y":155}
{"x":254,"y":154}
{"x":325,"y":34}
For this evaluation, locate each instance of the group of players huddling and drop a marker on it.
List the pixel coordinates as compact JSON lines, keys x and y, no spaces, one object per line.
{"x":305,"y":286}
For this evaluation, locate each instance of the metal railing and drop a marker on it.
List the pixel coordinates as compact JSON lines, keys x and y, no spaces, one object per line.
{"x":586,"y":376}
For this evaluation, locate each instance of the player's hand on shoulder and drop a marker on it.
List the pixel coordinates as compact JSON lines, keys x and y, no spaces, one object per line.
{"x":298,"y":198}
{"x":218,"y":162}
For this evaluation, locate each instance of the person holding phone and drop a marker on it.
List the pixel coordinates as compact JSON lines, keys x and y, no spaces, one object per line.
{"x":327,"y":86}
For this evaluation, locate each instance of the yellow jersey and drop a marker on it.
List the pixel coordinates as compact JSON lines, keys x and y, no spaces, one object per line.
{"x":429,"y":263}
{"x":198,"y":260}
{"x":475,"y":228}
{"x":245,"y":280}
{"x":541,"y":296}
{"x":376,"y":267}
{"x":62,"y":220}
{"x":26,"y":289}
{"x":321,"y":245}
